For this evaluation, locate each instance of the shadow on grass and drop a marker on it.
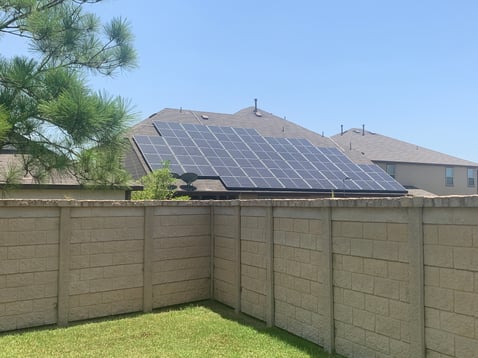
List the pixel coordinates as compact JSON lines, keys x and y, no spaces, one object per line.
{"x":302,"y":344}
{"x":226,"y":312}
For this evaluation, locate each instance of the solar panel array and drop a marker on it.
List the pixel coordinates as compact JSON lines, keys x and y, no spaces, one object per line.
{"x":243,"y":159}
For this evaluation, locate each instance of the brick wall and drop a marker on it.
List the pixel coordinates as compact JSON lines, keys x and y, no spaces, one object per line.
{"x":364,"y":277}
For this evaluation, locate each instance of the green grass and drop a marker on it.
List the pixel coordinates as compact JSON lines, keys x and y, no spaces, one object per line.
{"x":206,"y":330}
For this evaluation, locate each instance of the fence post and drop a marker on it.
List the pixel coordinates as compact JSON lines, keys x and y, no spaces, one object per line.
{"x":237,"y":250}
{"x":65,"y":231}
{"x":269,"y":237}
{"x":148,"y":259}
{"x":212,"y":248}
{"x":328,"y":292}
{"x":416,"y":269}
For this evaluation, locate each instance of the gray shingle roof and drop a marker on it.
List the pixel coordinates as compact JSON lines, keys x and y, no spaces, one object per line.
{"x":380,"y":148}
{"x":267,"y":124}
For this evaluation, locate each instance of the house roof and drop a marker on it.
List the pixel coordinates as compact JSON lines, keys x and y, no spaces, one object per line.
{"x":11,"y":162}
{"x":380,"y":148}
{"x":267,"y":125}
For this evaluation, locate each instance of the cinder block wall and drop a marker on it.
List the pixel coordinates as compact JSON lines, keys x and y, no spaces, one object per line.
{"x":363,"y":277}
{"x":28,"y":267}
{"x":64,"y":261}
{"x":181,"y":255}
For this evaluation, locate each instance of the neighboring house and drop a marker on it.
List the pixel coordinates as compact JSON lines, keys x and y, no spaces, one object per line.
{"x":251,"y":154}
{"x":13,"y":186}
{"x":412,"y":166}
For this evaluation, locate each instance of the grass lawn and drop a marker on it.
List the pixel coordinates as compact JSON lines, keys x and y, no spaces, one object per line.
{"x":205,"y":330}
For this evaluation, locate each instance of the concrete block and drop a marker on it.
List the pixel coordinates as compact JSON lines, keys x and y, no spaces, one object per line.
{"x":439,"y":298}
{"x":454,"y":235}
{"x":8,"y":295}
{"x":399,"y":349}
{"x":440,"y":256}
{"x":361,"y":247}
{"x":21,"y":252}
{"x":341,"y":246}
{"x":354,"y":299}
{"x":388,"y":327}
{"x":19,"y":280}
{"x":9,"y":267}
{"x":309,"y":272}
{"x":386,"y":250}
{"x":18,"y":307}
{"x":362,"y":283}
{"x":386,"y":288}
{"x":374,"y":267}
{"x":466,"y":303}
{"x":349,"y":332}
{"x":32,"y":265}
{"x":432,"y":318}
{"x":302,"y":285}
{"x":309,"y":303}
{"x":430,"y":234}
{"x":456,"y":279}
{"x":353,"y":264}
{"x":301,"y":255}
{"x":466,"y":347}
{"x":303,"y":316}
{"x":127,"y":258}
{"x":377,"y":342}
{"x":342,"y":279}
{"x":344,"y":347}
{"x":301,"y":226}
{"x":363,"y":319}
{"x":458,"y":324}
{"x":378,"y":305}
{"x":292,"y":239}
{"x":397,"y":232}
{"x":375,"y":231}
{"x":398,"y":271}
{"x":97,"y":260}
{"x":399,"y":310}
{"x":432,"y":276}
{"x":347,"y":229}
{"x":440,"y":341}
{"x":343,"y":313}
{"x":465,"y":258}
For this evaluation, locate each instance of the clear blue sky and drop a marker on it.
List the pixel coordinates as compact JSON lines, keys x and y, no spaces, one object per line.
{"x":406,"y":69}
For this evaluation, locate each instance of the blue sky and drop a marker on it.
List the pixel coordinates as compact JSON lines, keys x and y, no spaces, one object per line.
{"x":405,"y":69}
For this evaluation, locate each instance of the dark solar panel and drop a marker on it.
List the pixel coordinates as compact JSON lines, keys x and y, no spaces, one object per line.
{"x":243,"y":159}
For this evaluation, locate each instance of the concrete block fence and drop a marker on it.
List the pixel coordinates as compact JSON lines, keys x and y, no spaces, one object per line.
{"x":363,"y":277}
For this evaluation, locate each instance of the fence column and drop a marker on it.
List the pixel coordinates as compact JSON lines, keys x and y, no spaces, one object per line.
{"x":64,"y":267}
{"x":328,"y":291}
{"x":269,"y":236}
{"x":148,"y":259}
{"x":416,"y":269}
{"x":237,"y":251}
{"x":212,"y":250}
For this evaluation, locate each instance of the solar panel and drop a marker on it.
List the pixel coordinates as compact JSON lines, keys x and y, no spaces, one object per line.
{"x":243,"y":159}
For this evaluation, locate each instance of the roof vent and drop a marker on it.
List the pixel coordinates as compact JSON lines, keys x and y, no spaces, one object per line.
{"x":203,"y":116}
{"x":258,"y":114}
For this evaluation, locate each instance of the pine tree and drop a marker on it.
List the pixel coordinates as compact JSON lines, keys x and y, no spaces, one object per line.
{"x":47,"y":112}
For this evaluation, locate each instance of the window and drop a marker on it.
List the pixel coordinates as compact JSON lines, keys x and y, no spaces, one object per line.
{"x":390,"y":168}
{"x":449,"y":176}
{"x":470,"y":174}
